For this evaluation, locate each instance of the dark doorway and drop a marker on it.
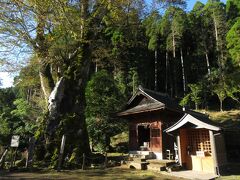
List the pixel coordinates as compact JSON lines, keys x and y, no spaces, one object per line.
{"x":143,"y":134}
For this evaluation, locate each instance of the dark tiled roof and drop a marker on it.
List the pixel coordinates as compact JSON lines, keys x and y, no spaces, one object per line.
{"x":142,"y":108}
{"x":160,"y":101}
{"x":163,"y":98}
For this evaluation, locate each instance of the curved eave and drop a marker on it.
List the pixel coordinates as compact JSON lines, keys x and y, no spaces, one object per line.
{"x":187,"y":118}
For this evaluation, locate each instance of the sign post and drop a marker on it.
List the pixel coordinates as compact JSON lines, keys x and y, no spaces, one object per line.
{"x":15,"y":141}
{"x":14,"y":144}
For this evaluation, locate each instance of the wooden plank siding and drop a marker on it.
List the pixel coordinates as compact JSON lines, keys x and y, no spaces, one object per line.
{"x":156,"y":120}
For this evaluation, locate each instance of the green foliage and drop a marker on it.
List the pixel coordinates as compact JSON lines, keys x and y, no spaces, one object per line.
{"x":16,"y":117}
{"x":54,"y":159}
{"x":23,"y":111}
{"x":223,"y":88}
{"x":7,"y":121}
{"x":233,"y":39}
{"x":193,"y":96}
{"x":173,"y":26}
{"x":152,"y":29}
{"x":103,"y":99}
{"x":233,"y":11}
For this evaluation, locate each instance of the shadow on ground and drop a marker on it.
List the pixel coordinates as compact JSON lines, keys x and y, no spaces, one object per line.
{"x":232,"y":169}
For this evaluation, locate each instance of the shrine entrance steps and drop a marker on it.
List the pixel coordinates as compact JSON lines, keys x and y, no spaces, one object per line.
{"x":145,"y":160}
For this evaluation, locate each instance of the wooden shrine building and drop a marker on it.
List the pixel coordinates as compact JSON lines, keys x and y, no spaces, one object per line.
{"x":159,"y":127}
{"x":201,"y":145}
{"x":148,"y":114}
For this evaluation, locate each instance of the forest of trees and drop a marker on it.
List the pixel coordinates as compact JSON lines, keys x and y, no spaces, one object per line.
{"x":80,"y":60}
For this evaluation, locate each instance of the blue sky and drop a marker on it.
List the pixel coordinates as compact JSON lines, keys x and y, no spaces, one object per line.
{"x":7,"y":79}
{"x":190,"y":3}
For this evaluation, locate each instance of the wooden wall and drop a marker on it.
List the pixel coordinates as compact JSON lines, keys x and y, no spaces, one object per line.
{"x":220,"y":149}
{"x":158,"y":119}
{"x":189,"y":158}
{"x":154,"y":120}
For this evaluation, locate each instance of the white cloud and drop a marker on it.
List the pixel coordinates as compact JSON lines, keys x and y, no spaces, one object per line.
{"x":6,"y":79}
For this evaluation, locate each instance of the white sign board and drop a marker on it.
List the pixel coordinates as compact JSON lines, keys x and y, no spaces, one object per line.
{"x":200,"y":153}
{"x":15,"y":141}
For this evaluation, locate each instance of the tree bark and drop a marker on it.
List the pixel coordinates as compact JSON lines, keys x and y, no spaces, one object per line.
{"x":156,"y":69}
{"x":217,"y":43}
{"x":183,"y":72}
{"x":221,"y":105}
{"x":196,"y":106}
{"x":47,"y":83}
{"x":207,"y":62}
{"x":41,"y":49}
{"x":175,"y":77}
{"x":166,"y":80}
{"x":69,"y":100}
{"x":174,"y":46}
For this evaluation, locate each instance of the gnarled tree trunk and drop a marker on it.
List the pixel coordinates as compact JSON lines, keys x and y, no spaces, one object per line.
{"x":67,"y":100}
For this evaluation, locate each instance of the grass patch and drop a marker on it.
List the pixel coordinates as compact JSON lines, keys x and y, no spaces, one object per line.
{"x":97,"y":174}
{"x":233,"y":115}
{"x":227,"y":119}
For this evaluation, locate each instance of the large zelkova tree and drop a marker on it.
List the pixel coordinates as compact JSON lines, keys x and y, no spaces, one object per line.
{"x":45,"y":27}
{"x":65,"y":37}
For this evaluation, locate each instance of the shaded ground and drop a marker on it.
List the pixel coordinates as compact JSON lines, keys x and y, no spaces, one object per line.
{"x":97,"y":174}
{"x":117,"y":173}
{"x":232,"y":172}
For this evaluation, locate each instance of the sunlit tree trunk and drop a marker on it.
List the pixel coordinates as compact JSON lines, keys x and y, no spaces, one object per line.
{"x":207,"y":62}
{"x":183,"y":72}
{"x":156,"y":70}
{"x":166,"y":75}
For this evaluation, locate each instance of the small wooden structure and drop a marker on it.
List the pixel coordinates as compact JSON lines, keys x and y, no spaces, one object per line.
{"x":148,"y":114}
{"x":160,"y":128}
{"x":200,"y":142}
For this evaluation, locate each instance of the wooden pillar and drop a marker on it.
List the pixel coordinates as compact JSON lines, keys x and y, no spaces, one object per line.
{"x":179,"y":149}
{"x":214,"y":155}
